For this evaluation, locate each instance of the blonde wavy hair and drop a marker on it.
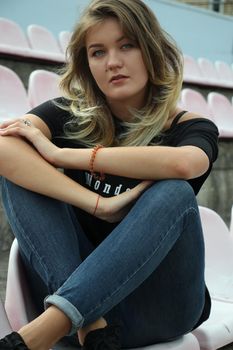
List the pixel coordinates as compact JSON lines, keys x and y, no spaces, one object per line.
{"x":92,"y":121}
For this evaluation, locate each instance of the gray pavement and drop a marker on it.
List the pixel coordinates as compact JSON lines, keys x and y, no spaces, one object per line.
{"x":3,"y":272}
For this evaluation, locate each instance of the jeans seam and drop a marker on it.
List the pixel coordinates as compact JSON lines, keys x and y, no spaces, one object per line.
{"x":148,"y":259}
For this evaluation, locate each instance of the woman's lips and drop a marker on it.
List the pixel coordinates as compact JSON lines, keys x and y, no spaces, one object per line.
{"x":118,"y":79}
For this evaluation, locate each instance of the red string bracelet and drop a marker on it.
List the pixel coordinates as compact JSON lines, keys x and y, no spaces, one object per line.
{"x":92,"y":160}
{"x":97,"y":203}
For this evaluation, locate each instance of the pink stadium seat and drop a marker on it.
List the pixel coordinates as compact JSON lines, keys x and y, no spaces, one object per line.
{"x":208,"y":71}
{"x":219,"y":256}
{"x":64,"y":38}
{"x":43,"y":43}
{"x":194,"y":101}
{"x":192,"y":73}
{"x":225,"y":73}
{"x":13,"y":96}
{"x":14,"y":42}
{"x":217,"y":331}
{"x":222,"y":111}
{"x":12,"y":39}
{"x":18,"y":303}
{"x":42,"y":86}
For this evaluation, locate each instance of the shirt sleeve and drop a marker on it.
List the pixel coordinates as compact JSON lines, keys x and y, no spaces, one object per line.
{"x":53,"y":115}
{"x":201,"y":133}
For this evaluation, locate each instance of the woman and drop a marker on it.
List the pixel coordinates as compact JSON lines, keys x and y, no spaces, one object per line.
{"x":115,"y":240}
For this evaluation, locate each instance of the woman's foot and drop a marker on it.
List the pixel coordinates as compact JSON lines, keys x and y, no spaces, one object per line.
{"x":13,"y":341}
{"x":107,"y":338}
{"x":52,"y":323}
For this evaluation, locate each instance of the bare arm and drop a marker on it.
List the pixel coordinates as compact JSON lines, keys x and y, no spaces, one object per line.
{"x":150,"y":162}
{"x":23,"y":165}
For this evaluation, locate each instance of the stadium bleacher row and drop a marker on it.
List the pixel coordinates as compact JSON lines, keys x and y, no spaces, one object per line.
{"x":15,"y":100}
{"x":39,"y":43}
{"x":216,"y":107}
{"x":44,"y":85}
{"x":205,"y":72}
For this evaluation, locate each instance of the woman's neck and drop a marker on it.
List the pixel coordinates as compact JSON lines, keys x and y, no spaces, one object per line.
{"x":121,"y":112}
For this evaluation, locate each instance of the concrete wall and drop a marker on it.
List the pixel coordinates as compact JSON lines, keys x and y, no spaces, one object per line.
{"x":217,"y":191}
{"x":197,"y":31}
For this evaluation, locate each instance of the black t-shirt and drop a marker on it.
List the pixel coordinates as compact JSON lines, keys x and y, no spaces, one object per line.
{"x":199,"y":132}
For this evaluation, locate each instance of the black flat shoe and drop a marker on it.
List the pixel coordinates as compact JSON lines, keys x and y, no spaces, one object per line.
{"x":107,"y":338}
{"x":13,"y":341}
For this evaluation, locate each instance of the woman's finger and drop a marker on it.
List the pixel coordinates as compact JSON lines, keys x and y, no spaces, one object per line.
{"x":13,"y":122}
{"x":142,"y":186}
{"x":22,"y":127}
{"x":19,"y":123}
{"x":9,"y":122}
{"x":13,"y":131}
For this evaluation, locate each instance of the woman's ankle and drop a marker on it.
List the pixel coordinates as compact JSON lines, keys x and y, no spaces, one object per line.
{"x":44,"y":331}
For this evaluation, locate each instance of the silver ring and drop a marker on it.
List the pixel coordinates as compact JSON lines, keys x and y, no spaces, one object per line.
{"x":27,"y":122}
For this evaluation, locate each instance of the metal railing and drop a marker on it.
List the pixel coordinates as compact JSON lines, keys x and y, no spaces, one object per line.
{"x":222,"y":6}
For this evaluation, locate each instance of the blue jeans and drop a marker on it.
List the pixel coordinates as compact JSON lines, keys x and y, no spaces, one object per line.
{"x":148,"y":274}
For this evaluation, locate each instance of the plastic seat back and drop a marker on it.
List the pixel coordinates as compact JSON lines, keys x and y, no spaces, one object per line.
{"x":12,"y":34}
{"x":217,"y":331}
{"x":64,"y":38}
{"x":42,"y":86}
{"x":41,"y":39}
{"x":13,"y":95}
{"x":224,"y":71}
{"x":222,"y":111}
{"x":219,"y":255}
{"x":192,"y":71}
{"x":194,"y":101}
{"x":18,"y":304}
{"x":208,"y":70}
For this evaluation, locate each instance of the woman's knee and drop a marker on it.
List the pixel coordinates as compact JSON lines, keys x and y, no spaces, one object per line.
{"x":166,"y":194}
{"x":176,"y":187}
{"x":11,"y":190}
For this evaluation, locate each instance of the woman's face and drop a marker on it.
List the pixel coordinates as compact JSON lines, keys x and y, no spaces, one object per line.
{"x":116,"y":64}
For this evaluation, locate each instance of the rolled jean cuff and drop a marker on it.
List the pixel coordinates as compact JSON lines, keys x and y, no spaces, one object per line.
{"x":69,"y":310}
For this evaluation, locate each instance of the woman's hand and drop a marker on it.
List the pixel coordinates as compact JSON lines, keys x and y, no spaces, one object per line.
{"x":115,"y":208}
{"x":24,"y":128}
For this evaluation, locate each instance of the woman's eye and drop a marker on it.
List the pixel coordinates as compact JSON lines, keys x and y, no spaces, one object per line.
{"x":127,"y":46}
{"x":98,"y":53}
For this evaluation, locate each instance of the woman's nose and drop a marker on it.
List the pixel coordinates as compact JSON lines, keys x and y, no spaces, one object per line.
{"x":114,"y":61}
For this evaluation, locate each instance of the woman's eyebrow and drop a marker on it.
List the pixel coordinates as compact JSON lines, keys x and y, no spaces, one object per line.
{"x":95,"y":45}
